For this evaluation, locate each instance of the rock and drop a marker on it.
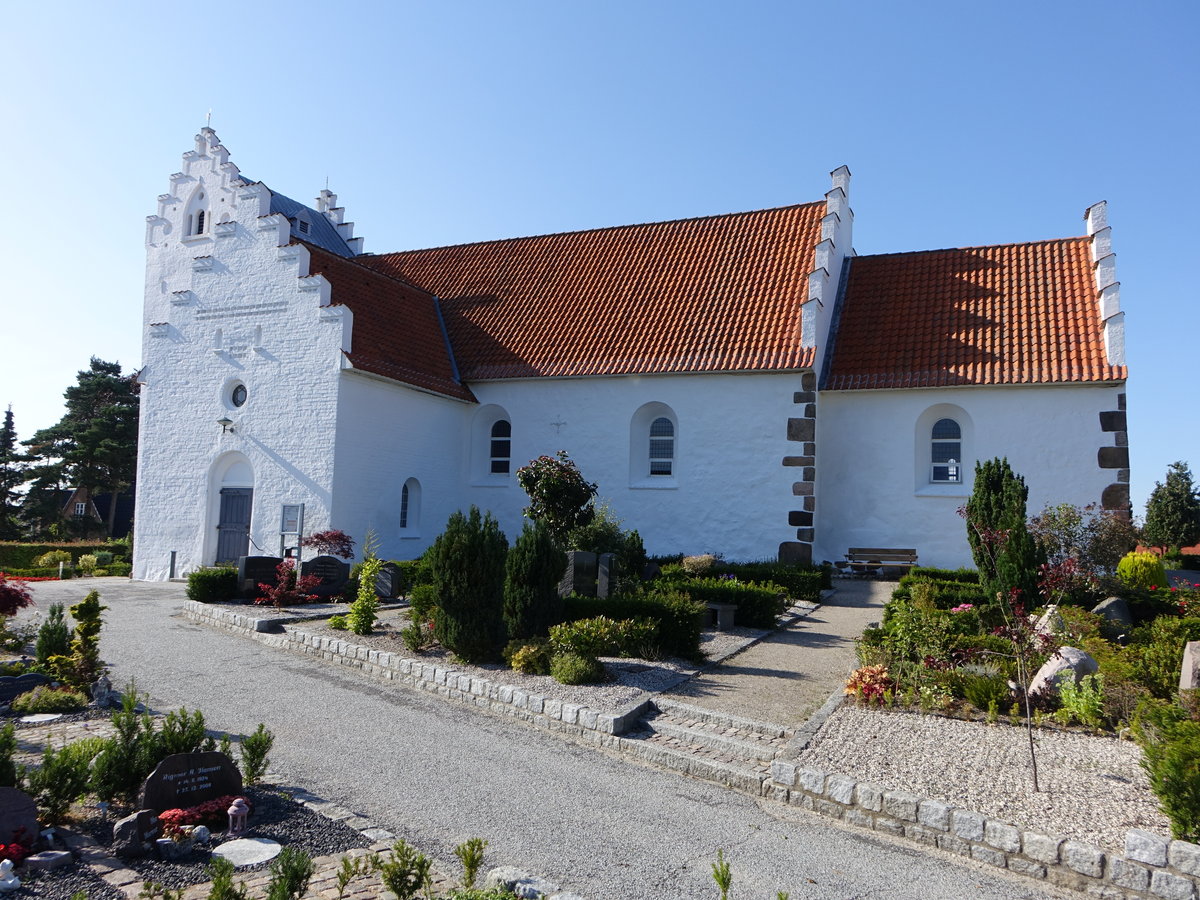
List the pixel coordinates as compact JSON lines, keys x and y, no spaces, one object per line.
{"x":102,"y":693}
{"x":202,"y":834}
{"x":48,"y":860}
{"x":248,"y":851}
{"x":520,"y":883}
{"x":18,"y":817}
{"x":1116,"y":611}
{"x":1189,"y":676}
{"x":1050,"y":622}
{"x":1069,"y":661}
{"x":133,"y":834}
{"x":169,"y":850}
{"x":40,"y":718}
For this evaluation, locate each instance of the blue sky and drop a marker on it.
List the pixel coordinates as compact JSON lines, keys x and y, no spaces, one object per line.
{"x":446,"y":122}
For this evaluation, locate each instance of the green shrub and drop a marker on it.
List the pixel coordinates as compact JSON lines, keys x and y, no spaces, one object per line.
{"x":680,"y":618}
{"x":965,"y":576}
{"x":86,"y":563}
{"x":405,"y":872}
{"x":126,"y":758}
{"x":574,"y":668}
{"x":220,"y":873}
{"x":255,"y":750}
{"x":67,"y":572}
{"x":103,"y":557}
{"x":364,"y":610}
{"x":54,"y":637}
{"x":758,"y":606}
{"x":338,"y":623}
{"x":52,"y":559}
{"x":997,"y":508}
{"x":423,"y":600}
{"x":696,"y":566}
{"x":470,"y":854}
{"x":529,"y":656}
{"x":182,"y":732}
{"x":8,"y":746}
{"x":82,"y":666}
{"x":212,"y":585}
{"x":47,"y":699}
{"x":467,"y":560}
{"x":1158,"y":649}
{"x":1142,"y":570}
{"x":417,"y":636}
{"x":61,"y":779}
{"x":1082,"y":702}
{"x":802,"y":583}
{"x":986,"y":691}
{"x":532,"y":572}
{"x":15,"y":555}
{"x":602,"y":636}
{"x":1171,"y":757}
{"x":291,"y":871}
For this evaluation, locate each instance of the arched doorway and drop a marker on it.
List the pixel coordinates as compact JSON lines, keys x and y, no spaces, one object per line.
{"x":235,"y":487}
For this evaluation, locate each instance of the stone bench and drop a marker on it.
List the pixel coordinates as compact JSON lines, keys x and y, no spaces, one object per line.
{"x":723,"y":614}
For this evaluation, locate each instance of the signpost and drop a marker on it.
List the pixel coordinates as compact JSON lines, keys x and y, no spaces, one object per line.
{"x":291,"y":524}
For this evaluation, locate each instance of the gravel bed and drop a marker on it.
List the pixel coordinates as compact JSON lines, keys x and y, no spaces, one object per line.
{"x":1093,"y":787}
{"x":64,"y":883}
{"x":274,"y":816}
{"x":628,"y":678}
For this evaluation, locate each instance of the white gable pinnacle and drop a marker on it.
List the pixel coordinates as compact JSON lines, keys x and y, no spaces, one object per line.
{"x":1107,"y":287}
{"x":828,"y":256}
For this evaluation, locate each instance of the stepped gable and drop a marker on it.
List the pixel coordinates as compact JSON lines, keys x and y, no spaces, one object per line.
{"x":1009,"y":314}
{"x":713,"y":294}
{"x":397,"y":328}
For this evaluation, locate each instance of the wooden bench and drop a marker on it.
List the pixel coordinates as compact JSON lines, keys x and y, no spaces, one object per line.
{"x":723,"y":614}
{"x":869,"y":559}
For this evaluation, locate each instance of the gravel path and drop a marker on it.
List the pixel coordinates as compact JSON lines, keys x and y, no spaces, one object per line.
{"x":1092,"y":788}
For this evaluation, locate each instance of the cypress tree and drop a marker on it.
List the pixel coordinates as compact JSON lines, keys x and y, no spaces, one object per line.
{"x":467,"y":569}
{"x":1005,"y":552}
{"x":1173,"y":510}
{"x":531,"y":577}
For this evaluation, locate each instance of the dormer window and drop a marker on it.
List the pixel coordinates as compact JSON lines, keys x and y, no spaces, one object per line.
{"x":303,"y":226}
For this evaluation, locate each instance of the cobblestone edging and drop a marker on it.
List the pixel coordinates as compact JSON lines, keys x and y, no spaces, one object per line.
{"x":441,"y":680}
{"x":1153,"y":867}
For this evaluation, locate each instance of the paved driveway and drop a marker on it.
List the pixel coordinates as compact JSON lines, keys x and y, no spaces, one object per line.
{"x":437,"y":773}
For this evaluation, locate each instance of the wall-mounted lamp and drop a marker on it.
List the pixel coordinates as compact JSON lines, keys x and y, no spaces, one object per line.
{"x":226,"y":424}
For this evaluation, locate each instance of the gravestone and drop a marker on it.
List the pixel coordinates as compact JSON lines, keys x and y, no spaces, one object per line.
{"x":606,"y":575}
{"x":1116,"y":611}
{"x":580,"y":576}
{"x":18,"y":817}
{"x":256,"y":570}
{"x":14,"y":685}
{"x":1189,"y":675}
{"x":333,"y":572}
{"x":389,"y":583}
{"x":133,"y":835}
{"x":187,"y":779}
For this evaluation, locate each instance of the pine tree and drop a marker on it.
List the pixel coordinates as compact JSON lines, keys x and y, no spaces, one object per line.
{"x":467,"y":569}
{"x":94,"y":445}
{"x":12,"y":476}
{"x":531,"y":577}
{"x":1005,"y":552}
{"x":1173,"y":510}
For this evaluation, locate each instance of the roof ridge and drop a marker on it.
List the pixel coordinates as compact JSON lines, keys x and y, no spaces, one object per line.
{"x":977,"y":247}
{"x":527,"y":237}
{"x":356,"y":260}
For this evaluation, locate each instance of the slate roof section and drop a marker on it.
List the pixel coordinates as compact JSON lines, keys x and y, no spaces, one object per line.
{"x":1008,"y":314}
{"x":713,"y":294}
{"x":322,"y":232}
{"x":397,"y":329}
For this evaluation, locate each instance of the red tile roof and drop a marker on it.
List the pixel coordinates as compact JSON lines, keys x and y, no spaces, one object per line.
{"x":1011,"y":314}
{"x":397,"y":331}
{"x":714,"y":294}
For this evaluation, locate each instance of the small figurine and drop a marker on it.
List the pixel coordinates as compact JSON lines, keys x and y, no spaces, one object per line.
{"x":8,"y":881}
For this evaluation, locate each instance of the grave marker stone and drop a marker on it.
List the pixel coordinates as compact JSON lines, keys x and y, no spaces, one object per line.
{"x":133,"y":834}
{"x":187,"y":779}
{"x":256,"y":570}
{"x":580,"y":576}
{"x":389,"y":583}
{"x":333,"y":572}
{"x":18,"y":817}
{"x":606,"y":575}
{"x":1189,"y":674}
{"x":13,"y":685}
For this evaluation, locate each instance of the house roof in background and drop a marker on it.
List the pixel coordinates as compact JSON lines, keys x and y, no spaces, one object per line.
{"x":1008,"y":314}
{"x":712,"y":294}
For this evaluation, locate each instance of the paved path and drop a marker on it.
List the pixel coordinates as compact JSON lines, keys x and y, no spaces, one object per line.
{"x":437,"y":773}
{"x":788,"y":676}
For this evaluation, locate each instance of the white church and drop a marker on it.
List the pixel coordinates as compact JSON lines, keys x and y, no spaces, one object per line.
{"x":742,"y":384}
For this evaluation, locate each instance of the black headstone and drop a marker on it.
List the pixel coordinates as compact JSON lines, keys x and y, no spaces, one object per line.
{"x":389,"y":583}
{"x":133,"y":835}
{"x":18,"y":817}
{"x":580,"y":577}
{"x":256,"y":570}
{"x":606,"y":575}
{"x":333,"y":572}
{"x":187,"y":779}
{"x":14,"y":685}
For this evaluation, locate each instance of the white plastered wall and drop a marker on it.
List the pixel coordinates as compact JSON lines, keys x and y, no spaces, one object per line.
{"x":229,"y":306}
{"x":873,"y":452}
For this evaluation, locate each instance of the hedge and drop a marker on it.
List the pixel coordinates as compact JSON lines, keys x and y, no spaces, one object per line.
{"x":758,"y":605}
{"x":49,"y":572}
{"x":802,"y":583}
{"x":212,"y":585}
{"x":21,"y":556}
{"x":967,"y":576}
{"x":680,"y":618}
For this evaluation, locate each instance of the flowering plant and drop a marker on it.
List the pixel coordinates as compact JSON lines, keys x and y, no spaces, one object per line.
{"x":963,"y":607}
{"x":213,"y":813}
{"x":17,"y":849}
{"x":871,"y":684}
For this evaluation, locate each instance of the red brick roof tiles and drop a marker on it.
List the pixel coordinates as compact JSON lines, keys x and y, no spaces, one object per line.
{"x":1010,"y":314}
{"x":721,"y":293}
{"x":397,"y":332}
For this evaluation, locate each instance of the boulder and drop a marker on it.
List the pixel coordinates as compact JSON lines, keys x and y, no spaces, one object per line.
{"x":1050,"y":622}
{"x":1189,"y":677}
{"x":1116,"y":611}
{"x":133,"y":835}
{"x":1068,"y":662}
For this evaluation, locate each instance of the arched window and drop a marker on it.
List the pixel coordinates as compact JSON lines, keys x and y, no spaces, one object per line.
{"x":946,"y":451}
{"x":410,"y":507}
{"x":662,"y":446}
{"x":195,"y":221}
{"x":501,"y":447}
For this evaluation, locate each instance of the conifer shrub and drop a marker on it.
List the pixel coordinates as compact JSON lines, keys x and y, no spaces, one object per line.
{"x":1005,"y":553}
{"x":82,"y":665}
{"x":1171,"y":757}
{"x":1142,"y":570}
{"x":467,"y":562}
{"x":212,"y":585}
{"x":365,"y":608}
{"x":532,"y":572}
{"x":54,"y":637}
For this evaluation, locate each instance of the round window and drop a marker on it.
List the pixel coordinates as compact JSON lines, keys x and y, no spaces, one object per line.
{"x":238,"y":397}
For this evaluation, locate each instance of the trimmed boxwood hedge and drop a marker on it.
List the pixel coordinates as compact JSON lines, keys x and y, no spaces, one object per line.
{"x":802,"y":583}
{"x":67,"y":572}
{"x":212,"y":585}
{"x":758,"y":605}
{"x":680,"y":618}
